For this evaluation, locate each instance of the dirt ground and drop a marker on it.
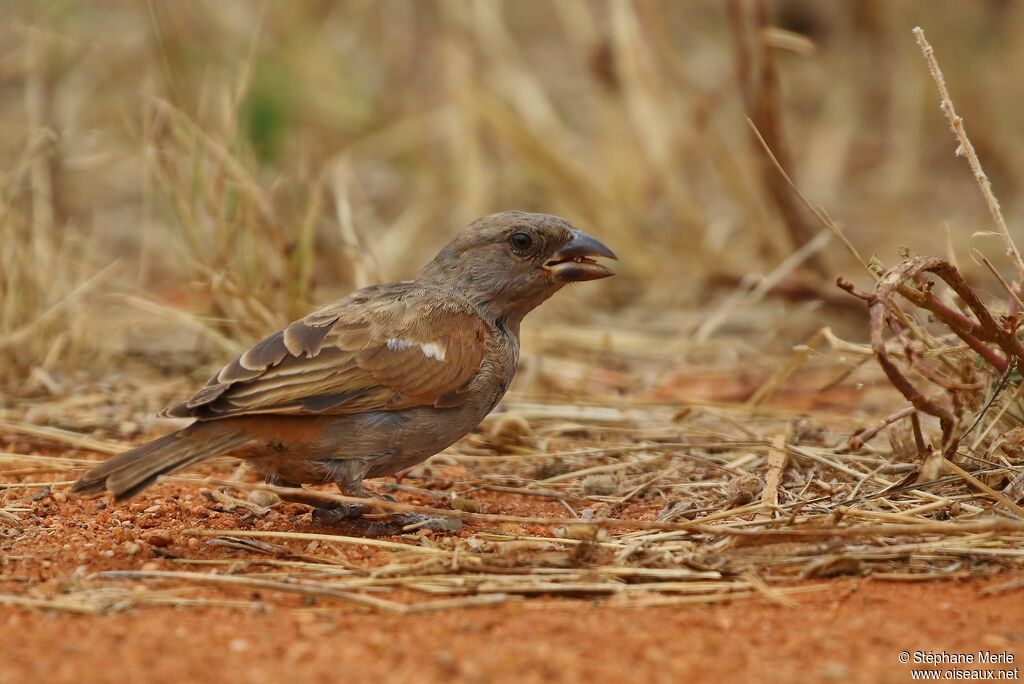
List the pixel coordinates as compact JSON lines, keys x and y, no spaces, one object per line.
{"x":850,"y":631}
{"x":762,"y":616}
{"x":84,"y":626}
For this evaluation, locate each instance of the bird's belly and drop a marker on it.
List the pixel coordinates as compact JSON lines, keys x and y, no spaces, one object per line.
{"x":292,"y":469}
{"x":367,"y":445}
{"x":423,"y":433}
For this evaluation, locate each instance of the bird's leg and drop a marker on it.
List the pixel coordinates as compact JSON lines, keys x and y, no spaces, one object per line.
{"x":335,"y":513}
{"x":349,"y":479}
{"x":299,"y":495}
{"x":324,"y":512}
{"x":278,"y":481}
{"x":353,"y":517}
{"x":400,"y":522}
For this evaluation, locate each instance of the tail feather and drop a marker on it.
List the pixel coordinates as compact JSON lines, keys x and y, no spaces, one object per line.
{"x":127,"y":474}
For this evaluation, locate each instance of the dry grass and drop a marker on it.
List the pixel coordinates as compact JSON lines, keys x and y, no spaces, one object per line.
{"x":231,"y":167}
{"x":181,"y":178}
{"x":643,"y":506}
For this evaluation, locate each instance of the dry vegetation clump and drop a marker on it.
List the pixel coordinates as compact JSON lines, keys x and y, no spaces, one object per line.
{"x":175,"y":188}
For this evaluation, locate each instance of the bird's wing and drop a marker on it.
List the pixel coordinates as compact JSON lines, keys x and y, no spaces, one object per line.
{"x":383,"y":348}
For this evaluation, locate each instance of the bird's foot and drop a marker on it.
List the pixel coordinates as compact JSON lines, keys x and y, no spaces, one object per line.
{"x":339,"y":513}
{"x":363,"y":520}
{"x":357,"y":520}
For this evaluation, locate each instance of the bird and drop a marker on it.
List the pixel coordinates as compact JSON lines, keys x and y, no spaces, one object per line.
{"x":376,"y":382}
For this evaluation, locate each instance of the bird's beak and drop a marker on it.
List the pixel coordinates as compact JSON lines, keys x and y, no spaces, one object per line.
{"x":575,"y":261}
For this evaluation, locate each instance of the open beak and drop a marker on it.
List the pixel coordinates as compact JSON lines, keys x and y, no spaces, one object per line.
{"x":575,"y":261}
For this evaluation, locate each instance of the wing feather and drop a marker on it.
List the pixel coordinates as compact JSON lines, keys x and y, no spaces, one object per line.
{"x":379,"y":349}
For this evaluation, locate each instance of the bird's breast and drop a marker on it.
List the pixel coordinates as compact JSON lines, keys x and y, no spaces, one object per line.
{"x":496,"y":372}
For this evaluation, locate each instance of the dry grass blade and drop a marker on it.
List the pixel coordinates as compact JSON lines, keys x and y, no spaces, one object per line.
{"x":776,"y":463}
{"x":696,"y":528}
{"x":975,"y":482}
{"x":48,"y":604}
{"x":60,"y":436}
{"x":966,"y":148}
{"x":310,"y":536}
{"x":759,"y":84}
{"x":294,"y":587}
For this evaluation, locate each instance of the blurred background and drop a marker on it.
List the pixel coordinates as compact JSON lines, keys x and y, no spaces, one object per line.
{"x":179,"y":178}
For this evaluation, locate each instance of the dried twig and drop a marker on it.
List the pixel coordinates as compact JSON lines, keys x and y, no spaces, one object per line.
{"x":776,"y":464}
{"x":966,"y":149}
{"x":980,"y":333}
{"x":759,"y":84}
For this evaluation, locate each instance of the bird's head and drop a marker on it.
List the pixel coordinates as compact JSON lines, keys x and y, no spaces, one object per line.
{"x":509,"y":263}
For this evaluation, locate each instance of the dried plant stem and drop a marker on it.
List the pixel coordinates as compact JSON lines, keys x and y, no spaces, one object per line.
{"x":46,"y":604}
{"x":777,"y":458}
{"x":859,"y":438}
{"x":311,"y":536}
{"x":819,"y":212}
{"x":907,"y":278}
{"x":1018,"y":305}
{"x":975,"y":482}
{"x":695,"y":528}
{"x":759,"y":84}
{"x":296,"y":587}
{"x":58,"y":435}
{"x":966,"y":149}
{"x":776,"y":380}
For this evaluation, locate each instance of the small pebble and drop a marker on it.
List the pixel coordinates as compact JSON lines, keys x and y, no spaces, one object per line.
{"x":159,"y":538}
{"x":262,"y":497}
{"x":464,"y":504}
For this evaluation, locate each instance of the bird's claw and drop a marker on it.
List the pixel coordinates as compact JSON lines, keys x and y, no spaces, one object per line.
{"x":352,"y":519}
{"x":339,"y":514}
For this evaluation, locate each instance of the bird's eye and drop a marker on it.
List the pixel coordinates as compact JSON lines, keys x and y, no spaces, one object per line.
{"x":521,"y":242}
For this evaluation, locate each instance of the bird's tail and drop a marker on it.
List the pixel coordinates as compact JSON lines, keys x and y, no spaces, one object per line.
{"x":127,"y":474}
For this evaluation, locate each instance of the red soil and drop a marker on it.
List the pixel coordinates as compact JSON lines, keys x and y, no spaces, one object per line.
{"x":852,"y":631}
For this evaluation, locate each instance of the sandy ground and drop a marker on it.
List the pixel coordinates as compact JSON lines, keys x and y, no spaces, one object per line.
{"x":842,"y":630}
{"x":846,"y":630}
{"x":851,"y":631}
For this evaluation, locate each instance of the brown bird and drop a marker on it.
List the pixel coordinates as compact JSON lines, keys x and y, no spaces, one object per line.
{"x":380,"y":380}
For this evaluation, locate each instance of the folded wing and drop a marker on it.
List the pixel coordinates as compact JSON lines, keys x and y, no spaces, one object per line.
{"x":383,"y":348}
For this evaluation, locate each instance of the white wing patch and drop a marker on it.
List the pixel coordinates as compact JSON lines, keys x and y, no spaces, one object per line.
{"x":399,"y":345}
{"x":431,"y":350}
